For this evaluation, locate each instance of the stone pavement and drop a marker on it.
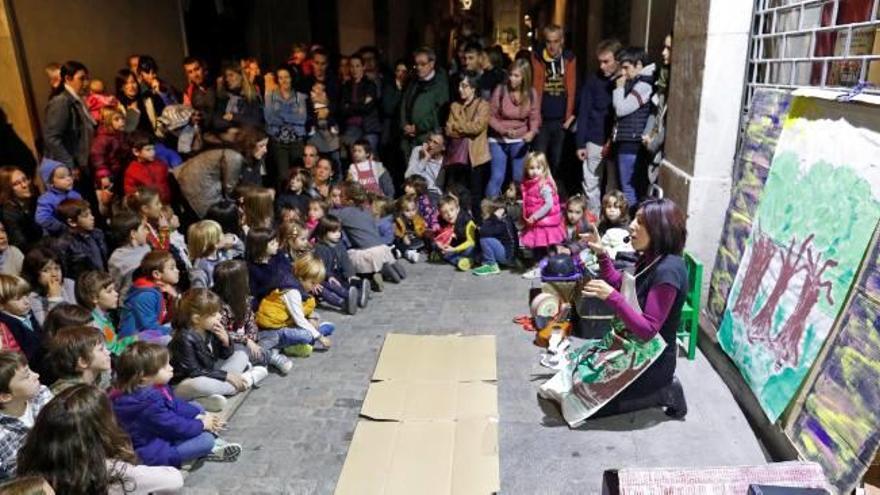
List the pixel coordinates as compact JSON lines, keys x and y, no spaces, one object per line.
{"x":296,"y":430}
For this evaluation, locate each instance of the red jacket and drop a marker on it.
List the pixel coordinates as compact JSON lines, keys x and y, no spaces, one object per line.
{"x":153,"y":174}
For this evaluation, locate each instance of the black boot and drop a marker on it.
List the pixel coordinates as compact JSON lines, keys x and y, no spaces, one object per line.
{"x":672,"y":396}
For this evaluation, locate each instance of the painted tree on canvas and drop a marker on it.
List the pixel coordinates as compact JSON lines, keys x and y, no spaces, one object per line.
{"x":759,"y":327}
{"x":763,"y":250}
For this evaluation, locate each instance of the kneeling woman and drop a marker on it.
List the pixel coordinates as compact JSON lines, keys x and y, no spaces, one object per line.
{"x":658,"y":233}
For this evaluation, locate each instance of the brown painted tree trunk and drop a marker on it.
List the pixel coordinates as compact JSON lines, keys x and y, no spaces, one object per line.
{"x":791,"y":264}
{"x":763,"y":250}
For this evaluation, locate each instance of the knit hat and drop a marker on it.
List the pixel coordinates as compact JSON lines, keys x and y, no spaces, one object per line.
{"x":47,"y":168}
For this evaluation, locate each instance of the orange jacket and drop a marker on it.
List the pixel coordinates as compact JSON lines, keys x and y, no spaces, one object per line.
{"x":570,"y":81}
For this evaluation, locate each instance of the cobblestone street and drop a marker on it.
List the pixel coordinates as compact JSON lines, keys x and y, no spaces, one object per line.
{"x":296,"y":430}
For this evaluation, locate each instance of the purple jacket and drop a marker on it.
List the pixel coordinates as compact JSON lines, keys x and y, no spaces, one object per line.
{"x":156,"y":420}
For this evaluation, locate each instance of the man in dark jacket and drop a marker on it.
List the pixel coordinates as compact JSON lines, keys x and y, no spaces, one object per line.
{"x":595,"y":120}
{"x":424,"y":101}
{"x":69,"y":126}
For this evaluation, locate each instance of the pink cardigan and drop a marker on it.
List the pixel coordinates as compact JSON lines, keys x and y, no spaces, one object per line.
{"x":506,"y":116}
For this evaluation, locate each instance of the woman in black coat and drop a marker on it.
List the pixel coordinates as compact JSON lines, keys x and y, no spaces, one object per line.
{"x":69,"y":126}
{"x":17,"y":201}
{"x":142,"y":108}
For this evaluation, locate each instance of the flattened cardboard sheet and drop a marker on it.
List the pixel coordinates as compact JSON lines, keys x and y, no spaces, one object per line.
{"x":404,"y":400}
{"x":424,"y":457}
{"x":448,"y":358}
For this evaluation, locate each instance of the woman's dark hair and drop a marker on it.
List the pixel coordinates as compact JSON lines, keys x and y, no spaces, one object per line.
{"x":7,"y":193}
{"x":665,"y":223}
{"x":257,"y":243}
{"x":147,"y":63}
{"x":328,"y":223}
{"x":225,"y":212}
{"x":246,"y":141}
{"x":65,"y":315}
{"x":232,"y":285}
{"x":632,"y":55}
{"x":122,"y":77}
{"x":37,"y":258}
{"x":471,"y":81}
{"x":69,"y":69}
{"x":56,"y":448}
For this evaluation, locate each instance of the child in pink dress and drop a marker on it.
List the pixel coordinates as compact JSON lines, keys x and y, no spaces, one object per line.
{"x":541,"y":210}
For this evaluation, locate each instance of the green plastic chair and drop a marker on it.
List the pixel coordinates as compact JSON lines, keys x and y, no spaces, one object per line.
{"x":689,"y":327}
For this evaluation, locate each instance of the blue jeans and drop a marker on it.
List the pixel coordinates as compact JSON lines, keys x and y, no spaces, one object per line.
{"x":295,"y":336}
{"x":493,"y":251}
{"x":196,"y":447}
{"x":502,"y":153}
{"x":626,"y":169}
{"x":454,"y":257}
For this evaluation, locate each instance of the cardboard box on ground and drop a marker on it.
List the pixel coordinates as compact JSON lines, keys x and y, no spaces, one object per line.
{"x":431,"y":420}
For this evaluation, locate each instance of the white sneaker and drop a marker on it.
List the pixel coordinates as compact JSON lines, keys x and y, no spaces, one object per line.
{"x":532,"y":274}
{"x":212,"y":403}
{"x":554,"y":361}
{"x":412,"y":256}
{"x":255,"y":375}
{"x":224,"y":451}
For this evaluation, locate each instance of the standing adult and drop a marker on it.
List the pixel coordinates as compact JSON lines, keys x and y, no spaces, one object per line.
{"x":148,"y":74}
{"x":655,"y":130}
{"x":595,"y":120}
{"x":555,"y":71}
{"x":321,"y":73}
{"x":69,"y":126}
{"x":199,"y":95}
{"x":142,"y":110}
{"x":238,"y":103}
{"x":359,"y":107}
{"x":392,"y":95}
{"x":17,"y":201}
{"x":287,"y":115}
{"x":515,"y":120}
{"x":424,"y":101}
{"x":658,"y":233}
{"x":467,"y":130}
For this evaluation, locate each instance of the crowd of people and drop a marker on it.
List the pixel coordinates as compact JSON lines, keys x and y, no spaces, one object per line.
{"x":173,"y":246}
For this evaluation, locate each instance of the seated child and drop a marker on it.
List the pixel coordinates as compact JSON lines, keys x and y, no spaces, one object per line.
{"x":60,"y":454}
{"x":11,"y":257}
{"x":415,"y":186}
{"x":498,"y":238}
{"x":77,"y":355}
{"x":337,"y":288}
{"x":21,"y":400}
{"x":208,"y":245}
{"x":289,"y":313}
{"x":371,"y":257}
{"x":130,"y":233}
{"x":175,"y":238}
{"x":335,"y":196}
{"x":96,"y":292}
{"x":317,"y":209}
{"x":410,"y":229}
{"x":268,"y":268}
{"x":456,"y":240}
{"x":294,"y":193}
{"x":59,"y":186}
{"x":293,"y":239}
{"x":43,"y":270}
{"x":579,"y":221}
{"x":615,"y":212}
{"x":146,"y":310}
{"x":383,"y":213}
{"x":257,"y":209}
{"x":16,"y":317}
{"x":146,"y":170}
{"x":82,"y":247}
{"x":206,"y":364}
{"x":237,"y":317}
{"x":164,"y":430}
{"x":371,"y":175}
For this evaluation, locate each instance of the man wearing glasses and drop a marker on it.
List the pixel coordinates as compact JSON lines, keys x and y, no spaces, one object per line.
{"x":424,"y":101}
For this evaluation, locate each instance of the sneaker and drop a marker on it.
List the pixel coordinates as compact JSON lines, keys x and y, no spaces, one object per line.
{"x":397,"y":254}
{"x":532,"y":274}
{"x":363,"y":292}
{"x":212,"y":403}
{"x":398,"y":267}
{"x":390,"y":274}
{"x":351,"y":303}
{"x":255,"y":375}
{"x":490,"y":269}
{"x":327,"y":328}
{"x":298,"y":350}
{"x":280,"y":362}
{"x":463,"y":264}
{"x":412,"y":256}
{"x":376,"y":283}
{"x":224,"y":451}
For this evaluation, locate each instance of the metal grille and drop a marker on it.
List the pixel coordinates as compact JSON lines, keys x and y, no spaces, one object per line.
{"x":814,"y":43}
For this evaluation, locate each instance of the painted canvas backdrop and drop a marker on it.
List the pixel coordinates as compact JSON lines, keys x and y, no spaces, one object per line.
{"x":839,"y":425}
{"x":768,"y":111}
{"x":815,"y":219}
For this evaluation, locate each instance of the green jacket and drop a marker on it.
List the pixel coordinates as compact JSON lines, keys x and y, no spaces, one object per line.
{"x":424,"y":104}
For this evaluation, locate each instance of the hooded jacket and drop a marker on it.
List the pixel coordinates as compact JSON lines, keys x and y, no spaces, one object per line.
{"x":144,"y":309}
{"x":566,"y":64}
{"x":49,"y":200}
{"x":156,"y":420}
